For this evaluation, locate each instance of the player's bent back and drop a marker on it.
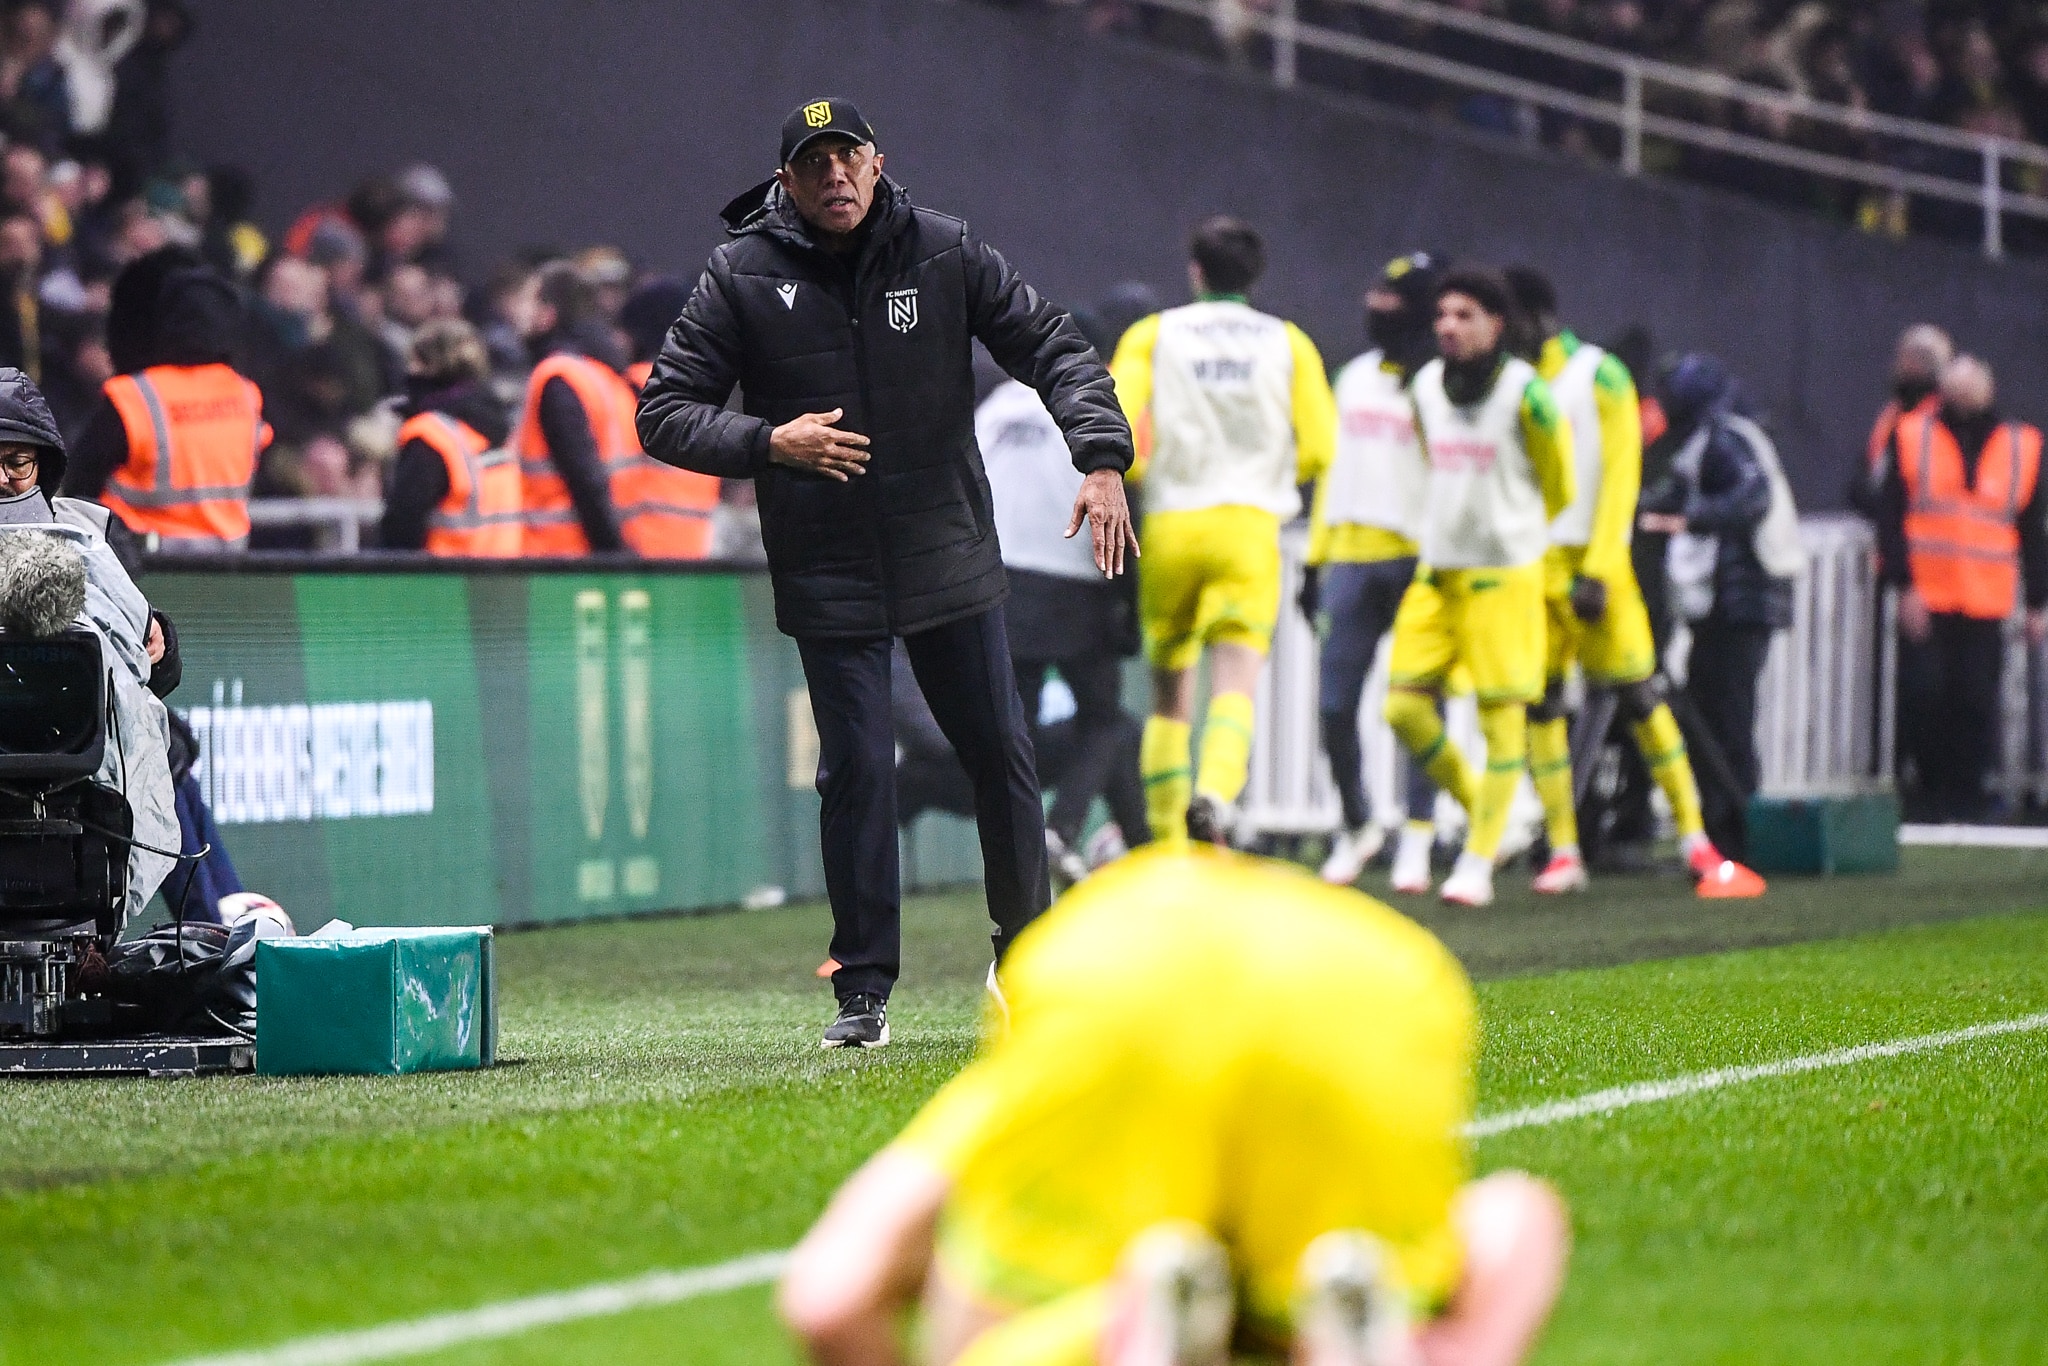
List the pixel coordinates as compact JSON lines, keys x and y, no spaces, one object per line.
{"x":1216,"y":1039}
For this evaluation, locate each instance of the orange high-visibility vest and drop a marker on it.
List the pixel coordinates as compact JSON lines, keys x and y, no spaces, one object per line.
{"x":1887,"y":423}
{"x":664,"y":513}
{"x":482,"y":514}
{"x":1963,"y":543}
{"x":194,"y":432}
{"x":637,"y":374}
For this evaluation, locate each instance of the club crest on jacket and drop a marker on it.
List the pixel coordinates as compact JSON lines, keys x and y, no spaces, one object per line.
{"x":902,"y":309}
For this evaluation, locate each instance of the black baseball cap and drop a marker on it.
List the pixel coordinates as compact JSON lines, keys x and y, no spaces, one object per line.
{"x":1412,"y":277}
{"x":814,"y":119}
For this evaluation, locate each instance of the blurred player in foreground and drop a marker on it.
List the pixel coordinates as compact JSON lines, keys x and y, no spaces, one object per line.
{"x":1595,"y":611}
{"x":1500,"y":467}
{"x":1121,"y":1181}
{"x":1239,"y":413}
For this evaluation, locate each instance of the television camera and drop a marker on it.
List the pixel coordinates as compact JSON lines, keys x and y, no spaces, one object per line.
{"x":63,"y":836}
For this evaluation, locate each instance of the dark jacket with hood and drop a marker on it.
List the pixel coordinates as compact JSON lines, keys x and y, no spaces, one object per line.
{"x":419,"y":476}
{"x":1730,"y":498}
{"x":882,"y":332}
{"x":25,"y":417}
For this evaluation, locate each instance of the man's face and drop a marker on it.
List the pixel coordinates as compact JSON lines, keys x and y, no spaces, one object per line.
{"x":1911,"y":364}
{"x":1464,"y":330}
{"x":18,"y":465}
{"x":832,"y":183}
{"x":23,"y":176}
{"x":21,"y":246}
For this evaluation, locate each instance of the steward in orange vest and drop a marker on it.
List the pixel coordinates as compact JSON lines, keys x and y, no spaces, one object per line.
{"x":1960,"y":531}
{"x":1917,"y":362}
{"x":172,"y":447}
{"x":587,"y":484}
{"x":1968,"y":500}
{"x":455,"y":486}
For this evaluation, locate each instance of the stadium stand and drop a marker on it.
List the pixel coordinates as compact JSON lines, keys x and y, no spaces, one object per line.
{"x":1827,"y":80}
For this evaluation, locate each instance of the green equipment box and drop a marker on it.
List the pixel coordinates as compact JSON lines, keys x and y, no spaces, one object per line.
{"x":1825,"y":834}
{"x":376,"y":1001}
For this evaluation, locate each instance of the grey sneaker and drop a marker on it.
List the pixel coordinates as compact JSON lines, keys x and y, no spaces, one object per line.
{"x":863,"y":1023}
{"x":1172,"y":1301}
{"x":1068,"y":867}
{"x":1348,"y":1308}
{"x":1207,"y":821}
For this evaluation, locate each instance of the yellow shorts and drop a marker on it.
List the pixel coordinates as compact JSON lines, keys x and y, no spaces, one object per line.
{"x":1614,"y":651}
{"x":1209,"y":577}
{"x":1490,"y":621}
{"x":1108,"y":1107}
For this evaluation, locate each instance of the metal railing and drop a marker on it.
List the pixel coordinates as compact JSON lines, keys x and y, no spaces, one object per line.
{"x":1634,"y":113}
{"x":337,"y":523}
{"x":1824,"y":713}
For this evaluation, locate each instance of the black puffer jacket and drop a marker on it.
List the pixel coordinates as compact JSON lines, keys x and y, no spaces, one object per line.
{"x":884,"y":334}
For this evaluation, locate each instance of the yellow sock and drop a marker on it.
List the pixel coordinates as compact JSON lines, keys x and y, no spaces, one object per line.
{"x":1163,"y":764}
{"x":1550,"y":764}
{"x":1505,"y":726}
{"x":1413,"y":717}
{"x":1226,"y":747}
{"x":1663,"y":748}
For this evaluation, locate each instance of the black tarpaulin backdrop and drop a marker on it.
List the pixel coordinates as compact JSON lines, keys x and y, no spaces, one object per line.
{"x":632,"y":121}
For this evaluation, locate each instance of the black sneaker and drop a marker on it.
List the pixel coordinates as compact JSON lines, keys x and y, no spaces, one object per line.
{"x":1205,"y":821}
{"x":863,"y":1023}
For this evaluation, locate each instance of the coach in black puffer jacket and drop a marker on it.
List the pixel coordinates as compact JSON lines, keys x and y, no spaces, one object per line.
{"x":846,"y":317}
{"x":882,"y":333}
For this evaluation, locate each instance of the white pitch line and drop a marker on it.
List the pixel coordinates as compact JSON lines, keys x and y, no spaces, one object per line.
{"x":507,"y":1318}
{"x":1976,"y":836}
{"x":1650,"y":1092}
{"x":416,"y":1337}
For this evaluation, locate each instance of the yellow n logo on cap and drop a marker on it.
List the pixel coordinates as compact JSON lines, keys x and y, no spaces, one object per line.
{"x":818,"y":115}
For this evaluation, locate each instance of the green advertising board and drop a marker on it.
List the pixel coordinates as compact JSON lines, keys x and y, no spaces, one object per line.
{"x":499,"y":746}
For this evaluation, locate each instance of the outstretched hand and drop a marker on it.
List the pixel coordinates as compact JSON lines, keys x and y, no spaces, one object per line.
{"x":811,"y":442}
{"x":1102,"y":505}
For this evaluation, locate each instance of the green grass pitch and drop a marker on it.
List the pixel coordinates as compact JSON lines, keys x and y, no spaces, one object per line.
{"x":669,"y":1108}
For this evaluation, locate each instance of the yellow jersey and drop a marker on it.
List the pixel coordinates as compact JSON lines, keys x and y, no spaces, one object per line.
{"x":1597,"y":396}
{"x":1232,"y":407}
{"x":1195,"y":1034}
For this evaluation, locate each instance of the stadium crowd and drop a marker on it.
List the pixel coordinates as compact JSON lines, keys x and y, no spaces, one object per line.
{"x":1978,"y":67}
{"x":362,"y":326}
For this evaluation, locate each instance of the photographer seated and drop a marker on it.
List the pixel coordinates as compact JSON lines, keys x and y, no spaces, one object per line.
{"x":140,"y":649}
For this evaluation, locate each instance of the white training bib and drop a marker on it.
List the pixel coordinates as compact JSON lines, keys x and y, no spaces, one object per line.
{"x":1379,"y":477}
{"x":1033,"y":482}
{"x":1222,"y":411}
{"x":1485,"y":507}
{"x":1574,"y":392}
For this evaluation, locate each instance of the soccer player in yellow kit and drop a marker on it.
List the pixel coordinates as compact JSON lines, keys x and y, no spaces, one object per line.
{"x":1238,"y":411}
{"x":1116,"y":1179}
{"x":1500,"y":467}
{"x":1595,"y":609}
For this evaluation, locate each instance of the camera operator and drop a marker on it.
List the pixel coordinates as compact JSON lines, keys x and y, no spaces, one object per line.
{"x":140,"y":646}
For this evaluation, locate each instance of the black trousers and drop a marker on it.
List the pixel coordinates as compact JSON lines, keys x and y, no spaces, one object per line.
{"x":1360,"y":601}
{"x":1098,"y":746}
{"x":1952,"y":698}
{"x":963,"y":669}
{"x":1727,"y":660}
